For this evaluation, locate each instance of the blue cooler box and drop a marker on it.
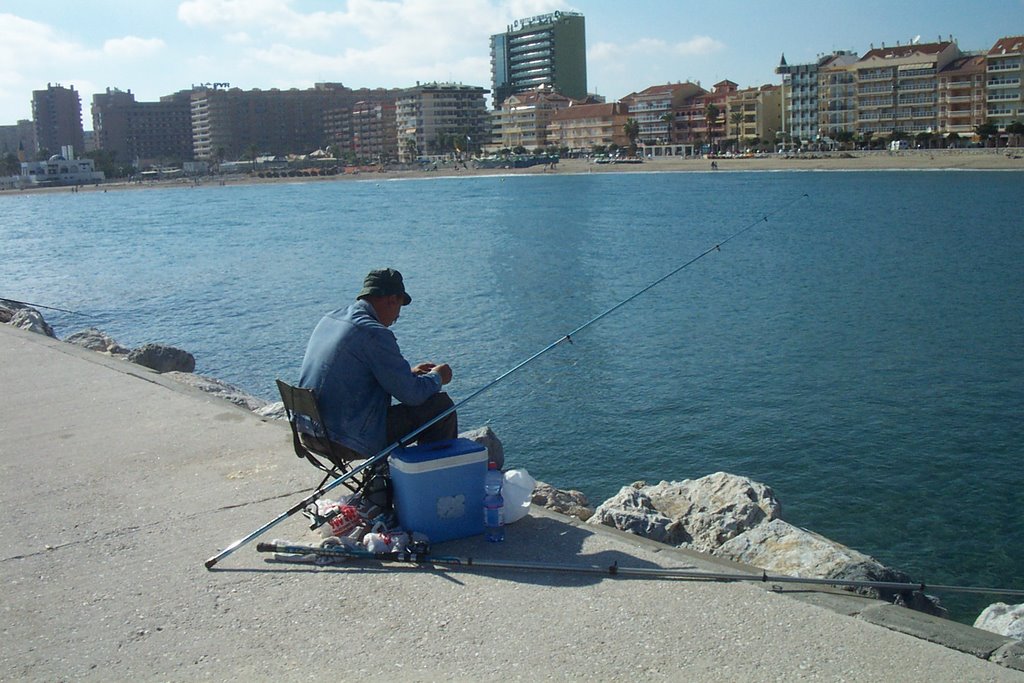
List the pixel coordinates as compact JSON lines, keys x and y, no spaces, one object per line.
{"x":439,"y":488}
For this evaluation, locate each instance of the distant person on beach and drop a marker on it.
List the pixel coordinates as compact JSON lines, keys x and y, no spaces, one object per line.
{"x":354,"y":367}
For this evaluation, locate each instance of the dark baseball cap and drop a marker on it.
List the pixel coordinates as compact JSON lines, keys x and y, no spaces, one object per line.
{"x":384,"y":282}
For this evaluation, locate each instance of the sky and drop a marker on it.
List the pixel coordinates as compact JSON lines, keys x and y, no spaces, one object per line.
{"x":158,"y":47}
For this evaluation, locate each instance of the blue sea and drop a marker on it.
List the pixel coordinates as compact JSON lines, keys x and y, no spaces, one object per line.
{"x":857,"y":342}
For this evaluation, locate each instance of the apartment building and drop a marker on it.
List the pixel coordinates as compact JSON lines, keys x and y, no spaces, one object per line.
{"x":227,"y":123}
{"x":837,"y":100}
{"x":143,"y":133}
{"x":57,"y":118}
{"x":581,"y":127}
{"x":754,"y":114}
{"x":374,"y":131}
{"x":1005,"y":82}
{"x":654,"y":109}
{"x":701,"y":120}
{"x":897,"y":87}
{"x":523,"y":118}
{"x":19,"y":140}
{"x":961,"y":96}
{"x":438,"y":118}
{"x":805,"y":93}
{"x":549,"y":49}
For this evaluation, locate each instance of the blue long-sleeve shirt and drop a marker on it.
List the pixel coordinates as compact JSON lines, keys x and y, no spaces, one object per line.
{"x":354,"y":367}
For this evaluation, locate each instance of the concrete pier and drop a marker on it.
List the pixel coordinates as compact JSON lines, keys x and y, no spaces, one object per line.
{"x":118,"y":483}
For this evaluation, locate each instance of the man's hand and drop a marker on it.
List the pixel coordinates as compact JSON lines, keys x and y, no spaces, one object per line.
{"x":443,"y":370}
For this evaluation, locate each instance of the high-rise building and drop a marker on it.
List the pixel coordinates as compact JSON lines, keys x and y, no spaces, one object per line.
{"x":549,"y":49}
{"x":57,"y":117}
{"x":143,"y":132}
{"x":440,"y":118}
{"x":800,"y":97}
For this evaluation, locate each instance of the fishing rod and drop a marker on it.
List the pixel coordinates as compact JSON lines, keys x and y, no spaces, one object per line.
{"x":426,"y":561}
{"x":49,"y":308}
{"x":411,"y":436}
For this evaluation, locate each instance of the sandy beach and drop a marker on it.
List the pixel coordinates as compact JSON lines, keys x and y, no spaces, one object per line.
{"x":1004,"y":159}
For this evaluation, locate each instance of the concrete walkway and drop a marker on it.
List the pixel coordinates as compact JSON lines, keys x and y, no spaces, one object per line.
{"x":118,"y":483}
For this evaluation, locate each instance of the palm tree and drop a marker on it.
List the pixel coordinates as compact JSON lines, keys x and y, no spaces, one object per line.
{"x":985,"y":131}
{"x":669,"y":119}
{"x":252,"y":153}
{"x":711,"y":113}
{"x":736,"y":118}
{"x":632,"y":130}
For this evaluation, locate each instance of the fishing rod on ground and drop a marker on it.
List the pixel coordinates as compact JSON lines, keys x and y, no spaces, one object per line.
{"x":426,"y":561}
{"x":49,"y":308}
{"x":411,"y":436}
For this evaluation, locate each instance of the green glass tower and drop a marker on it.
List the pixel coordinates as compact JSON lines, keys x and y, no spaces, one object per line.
{"x":549,"y":49}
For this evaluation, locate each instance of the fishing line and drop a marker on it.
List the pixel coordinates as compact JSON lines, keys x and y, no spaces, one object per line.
{"x":411,"y":436}
{"x":49,"y":308}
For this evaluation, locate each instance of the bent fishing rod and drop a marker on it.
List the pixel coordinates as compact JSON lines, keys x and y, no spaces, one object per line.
{"x":411,"y":436}
{"x":329,"y":553}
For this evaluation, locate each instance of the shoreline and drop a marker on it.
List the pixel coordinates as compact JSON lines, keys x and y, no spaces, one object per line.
{"x":1003,"y":159}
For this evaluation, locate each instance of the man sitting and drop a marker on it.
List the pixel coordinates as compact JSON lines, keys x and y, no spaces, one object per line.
{"x":354,"y":367}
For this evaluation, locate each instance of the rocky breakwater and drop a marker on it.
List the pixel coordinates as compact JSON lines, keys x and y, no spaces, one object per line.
{"x":721,"y":514}
{"x":738,"y":519}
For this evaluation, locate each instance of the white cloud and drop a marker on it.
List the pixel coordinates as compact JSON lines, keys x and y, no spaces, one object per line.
{"x":132,"y":47}
{"x":655,"y":48}
{"x":368,"y":43}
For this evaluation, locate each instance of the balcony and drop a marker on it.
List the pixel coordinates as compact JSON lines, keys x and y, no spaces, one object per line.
{"x":878,"y":75}
{"x":997,"y":67}
{"x":1009,"y":96}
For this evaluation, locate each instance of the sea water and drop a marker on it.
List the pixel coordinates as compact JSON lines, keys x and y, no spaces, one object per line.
{"x":857,"y":344}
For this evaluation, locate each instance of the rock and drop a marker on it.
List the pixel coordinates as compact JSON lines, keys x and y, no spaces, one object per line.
{"x":1006,"y":620}
{"x":219,"y":389}
{"x":779,"y":547}
{"x":32,"y":320}
{"x":633,"y":511}
{"x":567,"y":502}
{"x":486,"y":437}
{"x":97,"y":340}
{"x":700,"y":513}
{"x":163,"y":358}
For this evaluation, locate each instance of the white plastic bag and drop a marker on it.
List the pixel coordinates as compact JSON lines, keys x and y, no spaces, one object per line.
{"x":517,"y":490}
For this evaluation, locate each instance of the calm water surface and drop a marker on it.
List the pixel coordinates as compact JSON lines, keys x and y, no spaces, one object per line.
{"x":861,"y":351}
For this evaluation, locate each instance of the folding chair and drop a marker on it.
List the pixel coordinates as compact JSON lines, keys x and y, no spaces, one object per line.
{"x":300,"y":402}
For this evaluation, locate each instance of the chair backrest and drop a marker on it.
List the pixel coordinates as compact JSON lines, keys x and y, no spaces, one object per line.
{"x":301,"y":402}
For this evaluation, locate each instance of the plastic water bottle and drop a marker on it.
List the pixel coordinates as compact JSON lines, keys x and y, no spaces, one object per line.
{"x":494,"y":504}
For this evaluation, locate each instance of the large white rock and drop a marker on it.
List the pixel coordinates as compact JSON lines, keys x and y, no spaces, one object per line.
{"x":486,"y":437}
{"x":1006,"y":620}
{"x":32,"y":320}
{"x":699,"y":513}
{"x":97,"y":340}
